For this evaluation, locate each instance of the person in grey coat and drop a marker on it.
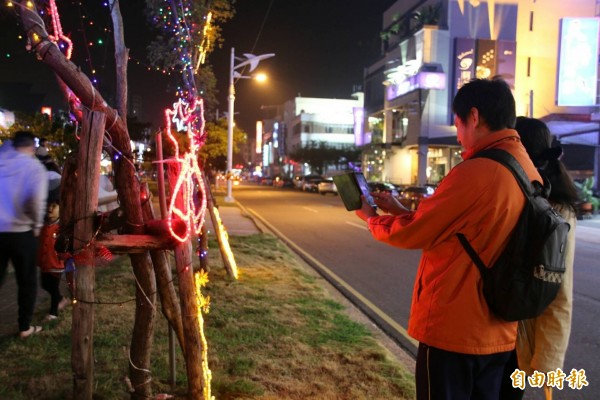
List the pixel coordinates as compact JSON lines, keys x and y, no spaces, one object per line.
{"x":23,"y":193}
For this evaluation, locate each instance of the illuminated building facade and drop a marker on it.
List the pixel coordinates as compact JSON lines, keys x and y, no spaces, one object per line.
{"x":545,"y":49}
{"x":303,"y":120}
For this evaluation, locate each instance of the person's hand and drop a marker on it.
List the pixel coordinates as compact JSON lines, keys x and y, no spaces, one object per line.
{"x":388,"y":203}
{"x":366,"y":211}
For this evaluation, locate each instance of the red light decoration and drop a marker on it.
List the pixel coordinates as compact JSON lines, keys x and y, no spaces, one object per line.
{"x":187,"y":117}
{"x":58,"y":32}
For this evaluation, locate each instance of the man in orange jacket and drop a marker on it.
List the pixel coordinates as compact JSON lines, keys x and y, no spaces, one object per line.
{"x":463,"y":347}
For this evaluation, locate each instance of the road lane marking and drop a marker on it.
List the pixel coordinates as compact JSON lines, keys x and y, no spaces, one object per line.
{"x":357,"y":225}
{"x":380,"y":313}
{"x":311,"y":209}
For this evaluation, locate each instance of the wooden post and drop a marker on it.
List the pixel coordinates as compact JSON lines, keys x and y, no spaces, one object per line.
{"x":164,"y":280}
{"x":203,"y":248}
{"x":88,"y":168}
{"x":220,"y":233}
{"x":189,"y":307}
{"x":162,"y":198}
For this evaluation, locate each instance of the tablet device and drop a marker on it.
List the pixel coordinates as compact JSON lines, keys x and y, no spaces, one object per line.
{"x":364,"y":188}
{"x":350,"y":187}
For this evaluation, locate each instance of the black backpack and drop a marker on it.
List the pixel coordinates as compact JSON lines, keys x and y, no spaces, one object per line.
{"x":528,"y":274}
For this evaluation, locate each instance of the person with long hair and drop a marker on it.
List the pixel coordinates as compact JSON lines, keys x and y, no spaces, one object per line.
{"x":542,"y":342}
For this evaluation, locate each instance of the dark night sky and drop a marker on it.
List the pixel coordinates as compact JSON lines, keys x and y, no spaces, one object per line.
{"x":321,"y":47}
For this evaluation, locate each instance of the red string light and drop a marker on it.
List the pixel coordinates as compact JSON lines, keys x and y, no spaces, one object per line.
{"x":188,"y":117}
{"x":58,"y":32}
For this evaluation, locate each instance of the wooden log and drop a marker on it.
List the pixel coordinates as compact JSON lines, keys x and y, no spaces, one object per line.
{"x":164,"y":278}
{"x":220,"y":233}
{"x":162,"y":198}
{"x":189,"y":306}
{"x":203,"y":249}
{"x":161,"y":227}
{"x":88,"y":170}
{"x":135,"y":244}
{"x":189,"y":311}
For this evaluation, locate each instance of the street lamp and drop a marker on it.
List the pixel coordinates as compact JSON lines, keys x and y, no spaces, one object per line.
{"x":251,"y":61}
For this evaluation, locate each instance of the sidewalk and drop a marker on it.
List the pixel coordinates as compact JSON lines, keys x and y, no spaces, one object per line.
{"x":236,"y":219}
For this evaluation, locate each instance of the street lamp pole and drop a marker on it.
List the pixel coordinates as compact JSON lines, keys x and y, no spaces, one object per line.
{"x":231,"y":98}
{"x":252,"y":62}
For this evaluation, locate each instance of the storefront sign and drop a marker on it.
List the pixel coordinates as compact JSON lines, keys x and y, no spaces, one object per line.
{"x":464,"y":62}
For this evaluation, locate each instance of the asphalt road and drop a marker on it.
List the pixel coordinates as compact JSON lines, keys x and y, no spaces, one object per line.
{"x":379,"y":278}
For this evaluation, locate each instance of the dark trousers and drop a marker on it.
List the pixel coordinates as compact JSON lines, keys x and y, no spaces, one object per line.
{"x":51,"y":283}
{"x":445,"y":375}
{"x":21,"y":249}
{"x":507,"y":391}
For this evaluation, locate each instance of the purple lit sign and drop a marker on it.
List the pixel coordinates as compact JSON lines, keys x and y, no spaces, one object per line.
{"x":359,"y":113}
{"x":422,"y":80}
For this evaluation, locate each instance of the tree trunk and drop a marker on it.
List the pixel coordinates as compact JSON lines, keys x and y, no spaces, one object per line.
{"x":143,"y":328}
{"x":121,"y":58}
{"x":88,"y":168}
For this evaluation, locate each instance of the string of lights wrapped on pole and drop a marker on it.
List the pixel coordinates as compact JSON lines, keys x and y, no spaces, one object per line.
{"x":251,"y":61}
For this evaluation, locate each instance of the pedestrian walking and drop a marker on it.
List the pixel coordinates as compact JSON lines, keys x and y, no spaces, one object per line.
{"x":542,"y":342}
{"x":463,"y":346}
{"x":22,"y":208}
{"x":51,"y":267}
{"x":42,"y":149}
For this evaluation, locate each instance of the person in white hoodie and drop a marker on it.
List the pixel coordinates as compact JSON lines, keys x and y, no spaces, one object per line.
{"x":23,"y":193}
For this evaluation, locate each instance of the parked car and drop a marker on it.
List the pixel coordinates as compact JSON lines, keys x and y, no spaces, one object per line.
{"x":283,"y":182}
{"x":266,"y":181}
{"x":383,"y":187}
{"x":310,"y":184}
{"x":327,"y":186}
{"x":411,"y":196}
{"x":299,"y":181}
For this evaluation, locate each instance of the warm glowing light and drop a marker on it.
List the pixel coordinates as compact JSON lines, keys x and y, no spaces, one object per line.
{"x":202,"y":303}
{"x":259,"y":135}
{"x":205,"y":44}
{"x":189,"y":117}
{"x":225,"y":243}
{"x":47,"y":111}
{"x":10,"y":4}
{"x":29,"y":4}
{"x":261,"y":77}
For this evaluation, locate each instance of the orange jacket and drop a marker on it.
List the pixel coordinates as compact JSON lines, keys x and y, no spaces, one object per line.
{"x":481,"y":199}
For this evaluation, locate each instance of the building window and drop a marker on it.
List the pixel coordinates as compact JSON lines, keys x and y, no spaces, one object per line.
{"x":306,"y":128}
{"x":528,"y":66}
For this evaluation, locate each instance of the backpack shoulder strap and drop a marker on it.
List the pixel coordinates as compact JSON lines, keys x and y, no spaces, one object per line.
{"x":507,"y":159}
{"x":472,"y":253}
